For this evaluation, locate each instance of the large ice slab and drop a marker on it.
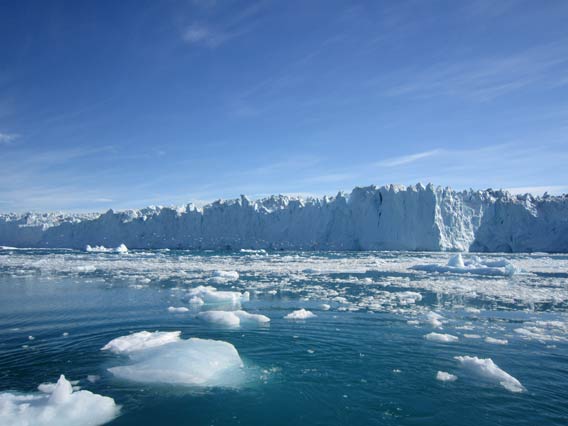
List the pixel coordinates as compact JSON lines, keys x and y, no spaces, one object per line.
{"x":391,"y":217}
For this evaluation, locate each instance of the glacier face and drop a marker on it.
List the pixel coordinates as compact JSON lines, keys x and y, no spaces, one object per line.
{"x":390,"y":217}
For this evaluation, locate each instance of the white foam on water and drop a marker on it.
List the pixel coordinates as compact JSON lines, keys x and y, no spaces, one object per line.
{"x":141,"y":341}
{"x":300,"y":314}
{"x":488,"y":370}
{"x":446,"y":377}
{"x":57,"y":405}
{"x":442,"y":338}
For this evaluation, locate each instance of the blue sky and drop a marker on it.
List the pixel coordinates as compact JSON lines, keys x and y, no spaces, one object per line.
{"x":119,"y":104}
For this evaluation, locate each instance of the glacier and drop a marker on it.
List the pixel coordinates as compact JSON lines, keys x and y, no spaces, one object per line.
{"x":391,"y":217}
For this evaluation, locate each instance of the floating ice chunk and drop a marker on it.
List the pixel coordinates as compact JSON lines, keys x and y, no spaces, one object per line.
{"x":443,"y":338}
{"x":456,"y":261}
{"x":445,"y":377}
{"x":102,"y":249}
{"x":488,"y":370}
{"x":232,"y":318}
{"x":252,"y":251}
{"x":300,"y":314}
{"x":475,"y":266}
{"x":57,"y":405}
{"x":472,"y":336}
{"x":222,"y":277}
{"x":434,"y":319}
{"x":178,"y":310}
{"x":194,"y":362}
{"x":93,"y":378}
{"x":210,"y":295}
{"x":141,"y":341}
{"x":222,"y":318}
{"x":495,"y":341}
{"x":325,"y":307}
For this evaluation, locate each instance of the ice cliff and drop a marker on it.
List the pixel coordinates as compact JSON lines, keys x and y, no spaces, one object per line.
{"x":391,"y":217}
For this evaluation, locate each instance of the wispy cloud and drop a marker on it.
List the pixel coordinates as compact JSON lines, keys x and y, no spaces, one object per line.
{"x":407,"y":159}
{"x":215,"y":31}
{"x":8,"y":138}
{"x":486,"y":78}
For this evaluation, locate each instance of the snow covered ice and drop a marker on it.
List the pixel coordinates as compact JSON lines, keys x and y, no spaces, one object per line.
{"x":56,"y":405}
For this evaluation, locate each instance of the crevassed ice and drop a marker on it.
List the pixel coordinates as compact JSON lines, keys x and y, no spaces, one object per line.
{"x":57,"y":405}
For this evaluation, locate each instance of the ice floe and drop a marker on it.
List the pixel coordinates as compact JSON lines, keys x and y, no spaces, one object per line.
{"x":300,"y":314}
{"x":446,"y":377}
{"x":232,"y":318}
{"x":102,"y":249}
{"x":210,"y":295}
{"x":474,"y":266}
{"x":442,"y":338}
{"x":192,"y":362}
{"x":178,"y":310}
{"x":141,"y":341}
{"x":488,"y":370}
{"x":495,"y":341}
{"x":56,"y":405}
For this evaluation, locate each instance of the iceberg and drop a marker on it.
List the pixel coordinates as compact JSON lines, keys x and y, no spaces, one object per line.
{"x":300,"y":314}
{"x":191,"y":362}
{"x":390,"y":217}
{"x":232,"y":318}
{"x":443,"y":376}
{"x":141,"y":341}
{"x":210,"y":295}
{"x":57,"y":405}
{"x":487,"y":369}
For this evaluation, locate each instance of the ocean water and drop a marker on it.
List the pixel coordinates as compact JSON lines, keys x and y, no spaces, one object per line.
{"x":363,"y":361}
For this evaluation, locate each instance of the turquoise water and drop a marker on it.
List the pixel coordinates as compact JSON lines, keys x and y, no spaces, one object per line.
{"x":360,"y":362}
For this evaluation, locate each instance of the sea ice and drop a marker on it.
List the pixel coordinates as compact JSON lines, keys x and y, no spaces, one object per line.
{"x":445,"y":377}
{"x":141,"y":341}
{"x":475,"y":266}
{"x":232,"y":318}
{"x":181,"y":309}
{"x":193,"y":362}
{"x":223,"y":277}
{"x":210,"y":295}
{"x":495,"y":341}
{"x":443,"y":338}
{"x":487,"y":369}
{"x":300,"y":314}
{"x":56,"y":405}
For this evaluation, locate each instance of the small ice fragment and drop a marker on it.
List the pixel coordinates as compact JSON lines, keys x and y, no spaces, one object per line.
{"x":443,"y":338}
{"x":93,"y":378}
{"x":140,"y":341}
{"x":178,"y":310}
{"x":496,"y":341}
{"x":487,"y":369}
{"x":300,"y":314}
{"x":445,"y":377}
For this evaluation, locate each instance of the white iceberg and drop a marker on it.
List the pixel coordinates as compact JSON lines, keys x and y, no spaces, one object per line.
{"x":192,"y":362}
{"x":474,"y":266}
{"x":210,"y":295}
{"x":232,"y":318}
{"x":178,"y":310}
{"x":445,"y":377}
{"x":57,"y":405}
{"x":442,"y":338}
{"x":487,"y":369}
{"x":102,"y":249}
{"x":300,"y":314}
{"x":141,"y":341}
